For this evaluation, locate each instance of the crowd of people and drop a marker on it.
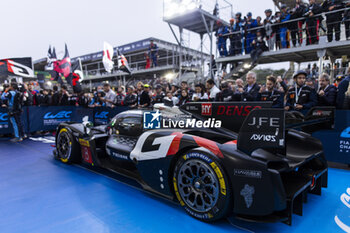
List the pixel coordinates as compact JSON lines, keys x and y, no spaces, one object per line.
{"x":305,"y":93}
{"x":283,"y":29}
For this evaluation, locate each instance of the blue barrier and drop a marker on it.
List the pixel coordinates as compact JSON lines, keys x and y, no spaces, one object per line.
{"x":49,"y":117}
{"x":336,"y":142}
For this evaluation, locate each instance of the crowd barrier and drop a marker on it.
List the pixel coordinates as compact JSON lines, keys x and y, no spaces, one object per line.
{"x":336,"y":142}
{"x":48,"y":118}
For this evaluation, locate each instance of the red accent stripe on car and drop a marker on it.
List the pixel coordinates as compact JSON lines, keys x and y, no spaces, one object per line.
{"x":210,"y":145}
{"x":175,"y":144}
{"x":231,"y":142}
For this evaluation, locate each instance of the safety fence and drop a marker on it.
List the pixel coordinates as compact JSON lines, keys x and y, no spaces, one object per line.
{"x":48,"y":118}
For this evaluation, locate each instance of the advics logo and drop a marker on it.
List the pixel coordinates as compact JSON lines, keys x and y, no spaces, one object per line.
{"x":3,"y":116}
{"x":206,"y":109}
{"x":60,"y":115}
{"x":152,"y":120}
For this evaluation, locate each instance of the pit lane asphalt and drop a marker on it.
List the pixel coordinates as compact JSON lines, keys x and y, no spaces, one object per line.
{"x":40,"y":194}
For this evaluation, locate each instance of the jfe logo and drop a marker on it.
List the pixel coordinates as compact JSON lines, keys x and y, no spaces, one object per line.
{"x":206,"y":109}
{"x":60,"y":115}
{"x":151,"y":120}
{"x":345,"y":133}
{"x":3,"y":117}
{"x":101,"y":115}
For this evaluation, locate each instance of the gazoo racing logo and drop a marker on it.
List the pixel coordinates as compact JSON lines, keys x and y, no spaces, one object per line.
{"x":59,"y":115}
{"x":18,"y":69}
{"x":154,"y":120}
{"x":4,"y":117}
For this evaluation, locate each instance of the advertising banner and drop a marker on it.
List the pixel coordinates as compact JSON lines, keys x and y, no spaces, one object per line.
{"x":102,"y":115}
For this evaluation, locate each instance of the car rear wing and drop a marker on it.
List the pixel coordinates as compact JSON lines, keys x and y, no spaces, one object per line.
{"x":258,"y":125}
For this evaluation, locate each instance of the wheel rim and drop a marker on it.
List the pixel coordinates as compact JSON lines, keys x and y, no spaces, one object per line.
{"x":64,"y":145}
{"x":198,"y":185}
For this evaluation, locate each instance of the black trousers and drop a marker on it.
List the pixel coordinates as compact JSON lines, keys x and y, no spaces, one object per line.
{"x":312,"y":29}
{"x":296,"y":32}
{"x":333,"y":26}
{"x":347,"y":28}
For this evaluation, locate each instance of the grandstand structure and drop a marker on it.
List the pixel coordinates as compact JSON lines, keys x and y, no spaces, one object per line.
{"x":135,"y":52}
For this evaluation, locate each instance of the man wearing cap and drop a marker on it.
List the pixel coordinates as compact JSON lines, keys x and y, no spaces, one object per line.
{"x":300,"y":97}
{"x":221,"y":38}
{"x":296,"y":27}
{"x":250,"y":35}
{"x":145,"y":100}
{"x":236,"y":37}
{"x":269,"y":29}
{"x":327,"y":93}
{"x":269,"y":92}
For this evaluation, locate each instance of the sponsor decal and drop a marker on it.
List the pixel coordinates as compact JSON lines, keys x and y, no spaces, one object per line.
{"x":236,"y":110}
{"x":4,"y":117}
{"x":197,"y":155}
{"x":344,"y":142}
{"x":4,"y":121}
{"x":273,"y":122}
{"x":247,"y":173}
{"x":155,"y":120}
{"x":57,"y":118}
{"x":247,"y":192}
{"x":206,"y":109}
{"x":263,"y":137}
{"x":119,"y":156}
{"x":86,"y":154}
{"x":101,"y":117}
{"x":152,"y":120}
{"x":345,"y":199}
{"x":220,"y":177}
{"x":84,"y":142}
{"x":199,"y":216}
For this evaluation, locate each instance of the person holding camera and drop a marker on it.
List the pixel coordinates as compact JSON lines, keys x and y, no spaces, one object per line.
{"x":13,"y":98}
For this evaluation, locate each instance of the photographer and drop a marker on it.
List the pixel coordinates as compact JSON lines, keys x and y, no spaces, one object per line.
{"x":14,"y":101}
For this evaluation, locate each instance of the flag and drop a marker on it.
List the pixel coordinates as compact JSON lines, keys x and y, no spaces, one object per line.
{"x":22,"y":67}
{"x":63,"y":66}
{"x":76,"y":76}
{"x":122,"y":62}
{"x":51,"y":58}
{"x":107,"y":57}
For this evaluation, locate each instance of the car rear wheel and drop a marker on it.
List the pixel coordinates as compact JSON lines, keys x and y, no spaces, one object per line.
{"x":201,"y":186}
{"x":67,"y":147}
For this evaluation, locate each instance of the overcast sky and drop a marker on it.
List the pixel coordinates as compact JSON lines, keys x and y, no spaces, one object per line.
{"x":30,"y":26}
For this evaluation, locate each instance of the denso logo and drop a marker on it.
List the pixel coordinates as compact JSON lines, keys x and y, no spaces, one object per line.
{"x":101,"y":115}
{"x":4,"y":116}
{"x":262,"y":137}
{"x":236,"y":110}
{"x":60,"y":115}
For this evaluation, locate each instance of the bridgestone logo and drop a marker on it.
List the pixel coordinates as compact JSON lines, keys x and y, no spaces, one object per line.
{"x":248,"y":173}
{"x":262,"y":137}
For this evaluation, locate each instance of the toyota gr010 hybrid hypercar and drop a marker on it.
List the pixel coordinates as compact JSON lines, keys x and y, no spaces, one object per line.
{"x":261,"y":173}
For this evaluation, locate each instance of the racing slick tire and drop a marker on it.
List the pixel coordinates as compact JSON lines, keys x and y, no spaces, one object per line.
{"x":201,"y":186}
{"x":67,"y":147}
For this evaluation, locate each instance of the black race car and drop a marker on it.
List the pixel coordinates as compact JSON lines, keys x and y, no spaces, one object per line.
{"x":261,"y":172}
